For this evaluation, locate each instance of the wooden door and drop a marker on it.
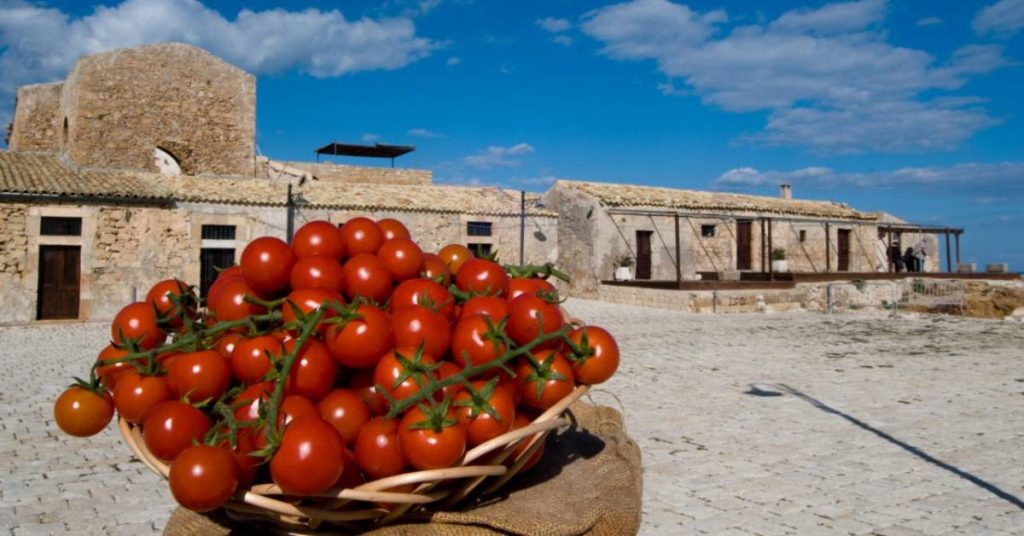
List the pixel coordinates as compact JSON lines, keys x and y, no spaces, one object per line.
{"x":743,"y":244}
{"x":211,"y":261}
{"x":643,"y":254}
{"x":59,"y":274}
{"x":843,"y":243}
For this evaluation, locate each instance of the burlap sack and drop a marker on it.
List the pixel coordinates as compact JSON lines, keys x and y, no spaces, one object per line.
{"x":589,"y":482}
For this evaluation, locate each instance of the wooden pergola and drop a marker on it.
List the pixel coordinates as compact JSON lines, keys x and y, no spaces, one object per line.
{"x":898,"y":229}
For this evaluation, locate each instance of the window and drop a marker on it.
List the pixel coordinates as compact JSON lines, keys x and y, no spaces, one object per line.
{"x":211,"y":261}
{"x":478,"y":228}
{"x":803,"y":236}
{"x":218,"y":232}
{"x":480,"y":250}
{"x":54,"y":226}
{"x":707,"y":231}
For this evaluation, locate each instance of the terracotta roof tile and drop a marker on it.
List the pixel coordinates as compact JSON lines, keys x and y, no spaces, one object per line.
{"x":626,"y":195}
{"x":38,"y":173}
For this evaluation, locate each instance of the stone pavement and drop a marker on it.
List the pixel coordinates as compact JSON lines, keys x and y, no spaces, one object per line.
{"x":749,"y":424}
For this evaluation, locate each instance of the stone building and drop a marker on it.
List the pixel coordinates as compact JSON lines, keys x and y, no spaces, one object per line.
{"x":141,"y":166}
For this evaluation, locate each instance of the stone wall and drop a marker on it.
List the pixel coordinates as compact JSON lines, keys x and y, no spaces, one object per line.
{"x":123,"y":104}
{"x":37,"y":125}
{"x":723,"y":301}
{"x":329,"y":172}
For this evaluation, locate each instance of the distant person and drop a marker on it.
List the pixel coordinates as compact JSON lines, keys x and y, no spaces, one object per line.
{"x":920,"y":252}
{"x":909,"y":261}
{"x":895,"y":259}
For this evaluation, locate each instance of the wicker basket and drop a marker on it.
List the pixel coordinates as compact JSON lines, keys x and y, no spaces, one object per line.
{"x":445,"y":487}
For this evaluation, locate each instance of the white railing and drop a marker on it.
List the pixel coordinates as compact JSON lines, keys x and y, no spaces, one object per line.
{"x":895,"y":295}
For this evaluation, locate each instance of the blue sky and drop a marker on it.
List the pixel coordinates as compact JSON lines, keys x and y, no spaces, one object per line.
{"x":912,"y":107}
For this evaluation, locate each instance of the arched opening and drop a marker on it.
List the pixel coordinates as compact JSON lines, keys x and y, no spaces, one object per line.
{"x":166,"y":162}
{"x":64,"y":136}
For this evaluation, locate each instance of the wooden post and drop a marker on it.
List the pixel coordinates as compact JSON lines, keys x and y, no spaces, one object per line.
{"x":828,"y":247}
{"x":679,"y":258}
{"x":763,"y":270}
{"x":957,"y":237}
{"x":949,"y":259}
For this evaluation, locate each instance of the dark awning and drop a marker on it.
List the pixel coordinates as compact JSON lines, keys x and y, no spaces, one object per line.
{"x":372,"y":151}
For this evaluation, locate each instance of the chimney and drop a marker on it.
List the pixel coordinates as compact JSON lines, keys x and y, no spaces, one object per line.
{"x":785,"y":191}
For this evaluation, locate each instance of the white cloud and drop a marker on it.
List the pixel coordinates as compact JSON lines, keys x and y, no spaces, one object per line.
{"x":41,"y":44}
{"x":454,"y":60}
{"x":496,"y":156}
{"x":563,"y":40}
{"x":978,"y":177}
{"x":1005,"y":17}
{"x":808,"y":69}
{"x":424,"y":133}
{"x":370,"y":137}
{"x":929,"y":21}
{"x":554,"y":25}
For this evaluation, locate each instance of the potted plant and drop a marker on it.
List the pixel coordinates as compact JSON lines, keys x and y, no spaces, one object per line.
{"x":779,"y":263}
{"x":624,"y":268}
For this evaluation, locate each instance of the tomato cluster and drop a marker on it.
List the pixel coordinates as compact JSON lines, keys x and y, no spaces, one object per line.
{"x":346,"y":356}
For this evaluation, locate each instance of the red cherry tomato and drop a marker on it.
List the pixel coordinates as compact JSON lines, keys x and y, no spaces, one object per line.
{"x":426,"y":293}
{"x":367,"y":276}
{"x":402,"y":258}
{"x":390,"y":368}
{"x":551,"y":388}
{"x":137,"y":321}
{"x":227,"y":302}
{"x":522,"y":420}
{"x":313,"y":371}
{"x":136,"y":395}
{"x":448,"y":369}
{"x":202,"y":478}
{"x":530,"y":316}
{"x":361,"y":235}
{"x":602,"y":364}
{"x":517,"y":286}
{"x":307,"y":301}
{"x":317,"y":272}
{"x":81,"y":413}
{"x":110,"y":374}
{"x":436,"y":269}
{"x":310,"y":458}
{"x":199,"y":375}
{"x":226,"y":345}
{"x":415,"y":326}
{"x":429,"y":448}
{"x":250,"y":361}
{"x":361,"y":343}
{"x":267,"y":264}
{"x":346,"y":412}
{"x":363,"y":384}
{"x":247,"y":465}
{"x":247,"y":403}
{"x":490,"y":306}
{"x":377,"y":449}
{"x":480,"y":425}
{"x":393,"y":228}
{"x":160,"y":297}
{"x":171,"y":427}
{"x":455,"y":255}
{"x":480,"y":277}
{"x":471,"y":344}
{"x":319,"y":238}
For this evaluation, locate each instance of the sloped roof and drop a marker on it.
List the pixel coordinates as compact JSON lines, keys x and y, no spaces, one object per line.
{"x":633,"y":196}
{"x":35,"y":173}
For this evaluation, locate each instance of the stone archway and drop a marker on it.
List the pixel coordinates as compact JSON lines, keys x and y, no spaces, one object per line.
{"x":165,"y":162}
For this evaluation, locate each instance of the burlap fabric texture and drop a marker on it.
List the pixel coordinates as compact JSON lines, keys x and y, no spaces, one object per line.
{"x":589,"y":482}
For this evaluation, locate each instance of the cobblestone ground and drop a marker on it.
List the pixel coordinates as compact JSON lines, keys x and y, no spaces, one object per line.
{"x":749,"y":424}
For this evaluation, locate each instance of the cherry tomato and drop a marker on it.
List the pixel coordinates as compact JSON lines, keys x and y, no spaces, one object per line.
{"x":308,"y":301}
{"x":517,"y":286}
{"x":202,"y":478}
{"x":415,"y":326}
{"x":363,"y":385}
{"x":227,"y":302}
{"x":346,"y":412}
{"x":551,"y":388}
{"x":402,"y":258}
{"x":490,"y":306}
{"x":377,"y":449}
{"x":81,"y":413}
{"x":430,"y":448}
{"x":267,"y":264}
{"x":434,"y":269}
{"x":367,"y":276}
{"x":250,"y":361}
{"x":317,"y":272}
{"x":448,"y":369}
{"x":137,"y":321}
{"x":361,"y":343}
{"x":246,"y":464}
{"x":171,"y":427}
{"x":136,"y":395}
{"x":530,"y":316}
{"x":226,"y":344}
{"x":199,"y":375}
{"x":351,"y":477}
{"x":480,"y":425}
{"x":393,"y":228}
{"x":604,"y":361}
{"x":159,"y":296}
{"x":522,"y":420}
{"x":110,"y":374}
{"x":247,"y":403}
{"x":423,"y":292}
{"x":480,"y":277}
{"x":455,"y":255}
{"x":389,"y":369}
{"x":292,"y":407}
{"x":361,"y":235}
{"x":319,"y":238}
{"x":310,"y":458}
{"x":471,"y":344}
{"x":229,"y":274}
{"x":313,"y":371}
